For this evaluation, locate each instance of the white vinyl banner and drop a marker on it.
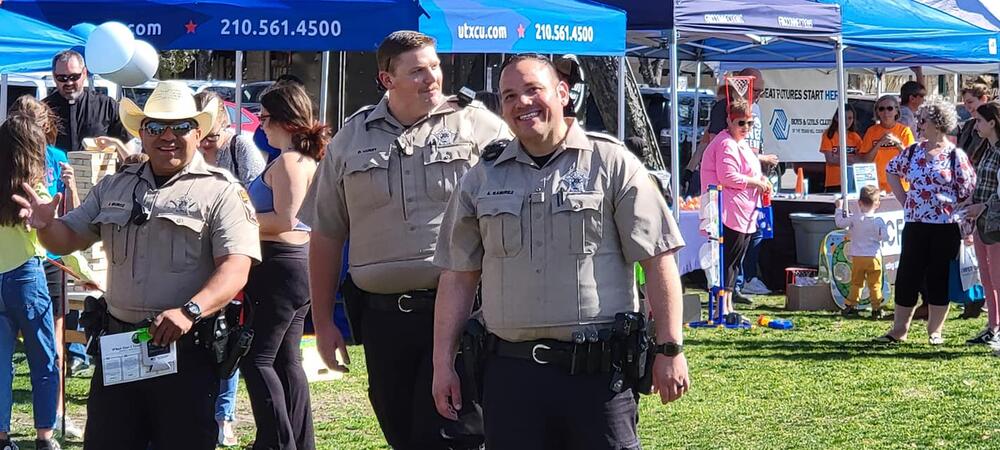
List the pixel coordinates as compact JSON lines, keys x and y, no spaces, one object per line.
{"x":797,"y":105}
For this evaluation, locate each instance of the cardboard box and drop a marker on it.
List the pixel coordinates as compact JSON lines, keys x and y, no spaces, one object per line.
{"x":810,"y":298}
{"x":692,"y":308}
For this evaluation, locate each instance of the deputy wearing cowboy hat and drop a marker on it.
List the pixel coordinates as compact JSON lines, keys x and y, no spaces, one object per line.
{"x":180,"y":237}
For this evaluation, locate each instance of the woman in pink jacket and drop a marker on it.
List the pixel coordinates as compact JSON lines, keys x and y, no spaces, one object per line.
{"x":730,"y":163}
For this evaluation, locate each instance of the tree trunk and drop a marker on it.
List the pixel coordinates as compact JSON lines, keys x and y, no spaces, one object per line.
{"x":602,"y":80}
{"x":651,"y":70}
{"x":203,"y":64}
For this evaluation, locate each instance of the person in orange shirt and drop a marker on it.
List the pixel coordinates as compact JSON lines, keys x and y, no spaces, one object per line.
{"x":829,"y":146}
{"x":884,"y":140}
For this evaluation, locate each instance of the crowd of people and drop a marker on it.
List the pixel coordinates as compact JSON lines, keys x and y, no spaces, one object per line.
{"x":524,"y":223}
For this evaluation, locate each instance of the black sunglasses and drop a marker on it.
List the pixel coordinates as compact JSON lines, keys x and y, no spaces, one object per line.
{"x":140,"y":214}
{"x":157,"y":128}
{"x":744,"y":123}
{"x":886,"y":108}
{"x":68,"y":77}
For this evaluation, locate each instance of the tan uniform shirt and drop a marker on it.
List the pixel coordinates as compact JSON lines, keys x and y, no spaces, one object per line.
{"x":386,"y":186}
{"x":200,"y":214}
{"x":556,"y":244}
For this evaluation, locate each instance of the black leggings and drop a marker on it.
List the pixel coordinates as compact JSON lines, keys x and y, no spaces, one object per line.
{"x":928,"y":250}
{"x":735,"y":246}
{"x":278,"y":296}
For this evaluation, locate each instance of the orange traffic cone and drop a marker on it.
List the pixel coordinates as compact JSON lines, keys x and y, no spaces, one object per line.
{"x":799,"y":183}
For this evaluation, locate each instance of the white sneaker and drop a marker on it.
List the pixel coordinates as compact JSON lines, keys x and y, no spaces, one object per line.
{"x":227,"y":435}
{"x":755,"y":286}
{"x":73,"y":431}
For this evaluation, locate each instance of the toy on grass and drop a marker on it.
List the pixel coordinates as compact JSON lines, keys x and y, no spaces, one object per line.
{"x":777,"y":324}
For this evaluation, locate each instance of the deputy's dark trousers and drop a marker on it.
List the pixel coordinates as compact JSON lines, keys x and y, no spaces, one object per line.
{"x":528,"y":406}
{"x":398,"y":349}
{"x":166,"y":413}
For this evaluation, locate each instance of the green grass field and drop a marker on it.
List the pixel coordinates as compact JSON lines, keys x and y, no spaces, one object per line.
{"x":819,"y":386}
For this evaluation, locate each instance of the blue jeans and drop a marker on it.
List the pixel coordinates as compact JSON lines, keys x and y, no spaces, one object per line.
{"x":225,"y":404}
{"x":25,"y":306}
{"x":748,"y":268}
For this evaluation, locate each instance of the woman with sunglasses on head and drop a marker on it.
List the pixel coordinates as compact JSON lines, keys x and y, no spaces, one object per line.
{"x":884,"y":140}
{"x":24,"y":298}
{"x":941,"y":179}
{"x":278,"y":288}
{"x":222,"y":147}
{"x":729,"y":162}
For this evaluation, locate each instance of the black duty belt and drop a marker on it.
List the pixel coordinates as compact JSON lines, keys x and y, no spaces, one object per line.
{"x":586,"y":357}
{"x":409,"y":302}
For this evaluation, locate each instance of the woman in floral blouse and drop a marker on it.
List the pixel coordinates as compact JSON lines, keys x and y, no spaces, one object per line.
{"x":941,"y":178}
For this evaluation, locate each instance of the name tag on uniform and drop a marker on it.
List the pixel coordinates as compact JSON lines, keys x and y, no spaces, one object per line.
{"x":131,"y":356}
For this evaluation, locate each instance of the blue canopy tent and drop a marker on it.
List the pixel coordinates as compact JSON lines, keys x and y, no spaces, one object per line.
{"x":305,"y":25}
{"x":27,"y":44}
{"x":732,"y":30}
{"x":302,"y":25}
{"x":519,"y":26}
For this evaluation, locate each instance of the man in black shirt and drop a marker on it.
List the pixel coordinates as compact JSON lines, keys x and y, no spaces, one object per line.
{"x":83,"y":112}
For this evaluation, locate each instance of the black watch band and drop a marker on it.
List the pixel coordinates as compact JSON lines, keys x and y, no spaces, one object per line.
{"x":669,"y":349}
{"x":192,"y":310}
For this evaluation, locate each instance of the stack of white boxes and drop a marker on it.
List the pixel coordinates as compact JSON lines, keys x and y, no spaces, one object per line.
{"x":89,"y":168}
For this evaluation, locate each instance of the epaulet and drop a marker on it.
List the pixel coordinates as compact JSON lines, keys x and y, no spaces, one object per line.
{"x":604,"y":137}
{"x":493,"y":150}
{"x":364,"y":110}
{"x":223,"y":174}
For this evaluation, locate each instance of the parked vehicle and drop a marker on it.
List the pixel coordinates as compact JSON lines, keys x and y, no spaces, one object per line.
{"x":40,"y":85}
{"x":657,"y":103}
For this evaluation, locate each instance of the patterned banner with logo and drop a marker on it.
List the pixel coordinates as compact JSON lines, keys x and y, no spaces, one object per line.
{"x":797,"y":106}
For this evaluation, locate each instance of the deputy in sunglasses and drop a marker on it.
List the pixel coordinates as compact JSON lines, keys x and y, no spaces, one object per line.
{"x":181,"y":236}
{"x":84,"y":112}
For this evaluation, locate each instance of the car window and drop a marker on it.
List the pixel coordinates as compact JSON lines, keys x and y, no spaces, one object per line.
{"x":227,"y":93}
{"x":13,"y":92}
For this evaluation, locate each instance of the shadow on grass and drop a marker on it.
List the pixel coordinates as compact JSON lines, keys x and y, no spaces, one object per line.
{"x":827,"y":350}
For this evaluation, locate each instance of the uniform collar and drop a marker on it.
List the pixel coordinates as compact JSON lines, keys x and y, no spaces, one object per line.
{"x":381,"y":111}
{"x":63,"y":100}
{"x":576,"y":139}
{"x":197,"y":166}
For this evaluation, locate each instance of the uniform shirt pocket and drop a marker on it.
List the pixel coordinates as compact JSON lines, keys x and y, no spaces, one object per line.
{"x":500,"y":225}
{"x":579,"y":218}
{"x":114,"y":226}
{"x":185,"y":240}
{"x":444,"y":166}
{"x":366,"y":180}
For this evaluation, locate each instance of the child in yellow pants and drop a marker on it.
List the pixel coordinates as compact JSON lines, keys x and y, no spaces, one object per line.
{"x":866,"y":233}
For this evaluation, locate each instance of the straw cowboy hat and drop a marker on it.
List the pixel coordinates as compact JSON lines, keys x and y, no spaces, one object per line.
{"x":171,"y":100}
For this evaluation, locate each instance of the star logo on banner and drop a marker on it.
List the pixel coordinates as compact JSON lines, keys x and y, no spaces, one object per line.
{"x":190,"y":26}
{"x":520,"y":31}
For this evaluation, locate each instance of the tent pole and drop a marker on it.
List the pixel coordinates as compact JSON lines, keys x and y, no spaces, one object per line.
{"x":324,"y":86}
{"x":342,"y":90}
{"x":3,"y":96}
{"x":957,"y":88}
{"x":675,"y":144}
{"x":239,"y":92}
{"x":697,"y":110}
{"x":621,"y":97}
{"x":841,"y":119}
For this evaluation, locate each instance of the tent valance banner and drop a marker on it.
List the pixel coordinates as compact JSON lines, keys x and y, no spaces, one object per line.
{"x":317,"y":25}
{"x":773,"y":18}
{"x":797,"y":106}
{"x":519,"y":26}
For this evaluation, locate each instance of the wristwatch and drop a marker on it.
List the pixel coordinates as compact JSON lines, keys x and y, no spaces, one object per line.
{"x":192,"y":310}
{"x":669,"y":349}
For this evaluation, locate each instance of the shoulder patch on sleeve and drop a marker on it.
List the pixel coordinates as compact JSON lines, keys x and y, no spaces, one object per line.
{"x":363,"y":112}
{"x":493,"y":150}
{"x":247,"y":205}
{"x":604,"y":137}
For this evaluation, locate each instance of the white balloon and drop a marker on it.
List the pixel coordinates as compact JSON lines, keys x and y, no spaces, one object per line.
{"x":140,"y":69}
{"x":109,"y":48}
